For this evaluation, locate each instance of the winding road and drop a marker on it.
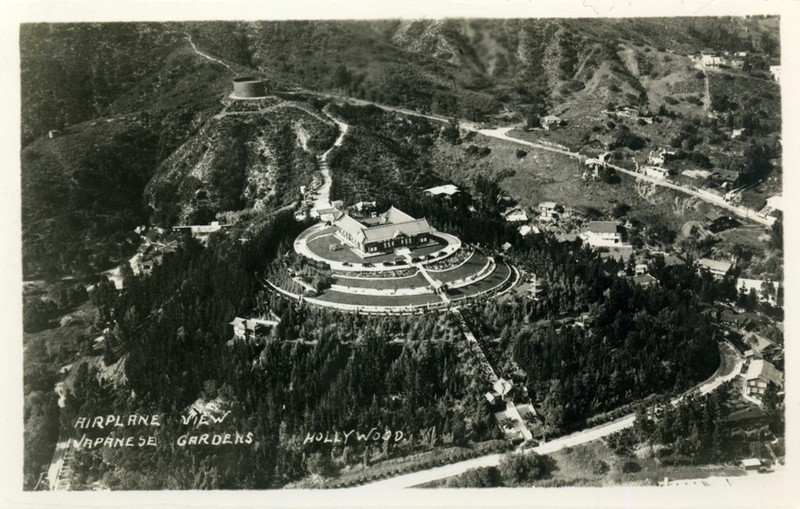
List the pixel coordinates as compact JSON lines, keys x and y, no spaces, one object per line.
{"x":750,"y":214}
{"x":323,"y":199}
{"x":730,"y":365}
{"x":730,"y":362}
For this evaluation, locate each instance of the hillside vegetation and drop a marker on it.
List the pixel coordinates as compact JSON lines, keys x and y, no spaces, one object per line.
{"x":160,"y":94}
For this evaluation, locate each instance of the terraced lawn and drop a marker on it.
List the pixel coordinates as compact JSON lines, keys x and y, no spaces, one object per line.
{"x":472,"y":266}
{"x":378,"y":300}
{"x":494,"y":280}
{"x":385,"y":283}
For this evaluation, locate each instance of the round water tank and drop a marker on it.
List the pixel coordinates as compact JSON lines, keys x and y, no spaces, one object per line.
{"x":248,"y":87}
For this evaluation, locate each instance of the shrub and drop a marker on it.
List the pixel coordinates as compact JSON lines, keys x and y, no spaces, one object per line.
{"x":516,"y":468}
{"x":630,"y":466}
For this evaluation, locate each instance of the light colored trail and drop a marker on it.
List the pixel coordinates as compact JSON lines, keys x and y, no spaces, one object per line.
{"x":323,"y":195}
{"x":204,"y":55}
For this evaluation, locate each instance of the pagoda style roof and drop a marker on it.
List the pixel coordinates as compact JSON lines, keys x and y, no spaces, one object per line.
{"x":391,"y":224}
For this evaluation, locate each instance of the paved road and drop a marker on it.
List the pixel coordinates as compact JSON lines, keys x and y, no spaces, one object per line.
{"x":729,"y":368}
{"x":752,"y":215}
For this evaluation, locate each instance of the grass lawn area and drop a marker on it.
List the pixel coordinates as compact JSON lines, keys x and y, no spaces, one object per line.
{"x":378,"y":300}
{"x":747,"y":236}
{"x":472,"y":266}
{"x":384,"y":283}
{"x":494,"y":280}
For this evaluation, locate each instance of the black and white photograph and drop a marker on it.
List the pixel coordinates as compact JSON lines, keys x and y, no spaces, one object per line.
{"x":498,"y":258}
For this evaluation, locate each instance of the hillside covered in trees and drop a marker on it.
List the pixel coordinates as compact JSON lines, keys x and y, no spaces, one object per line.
{"x":145,"y":137}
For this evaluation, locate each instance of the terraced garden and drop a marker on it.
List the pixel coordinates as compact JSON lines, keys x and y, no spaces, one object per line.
{"x":422,"y":283}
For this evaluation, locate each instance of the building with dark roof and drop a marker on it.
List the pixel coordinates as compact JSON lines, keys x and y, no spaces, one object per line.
{"x":383,"y":233}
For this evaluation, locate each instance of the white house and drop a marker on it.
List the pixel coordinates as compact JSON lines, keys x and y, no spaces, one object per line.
{"x":447,"y":190}
{"x":526,"y":230}
{"x":710,"y":58}
{"x":775,"y":202}
{"x":602,"y":234}
{"x":515,"y":215}
{"x":759,"y":375}
{"x":716,"y":267}
{"x":551,"y":121}
{"x":548,"y":211}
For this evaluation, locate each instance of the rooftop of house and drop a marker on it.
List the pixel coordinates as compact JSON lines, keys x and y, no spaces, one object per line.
{"x":644,"y":279}
{"x":330,"y":214}
{"x":715,"y":265}
{"x":448,"y":189}
{"x":603,"y":227}
{"x":384,"y":226}
{"x":758,"y":342}
{"x":759,"y":368}
{"x":515,"y":214}
{"x":502,"y":386}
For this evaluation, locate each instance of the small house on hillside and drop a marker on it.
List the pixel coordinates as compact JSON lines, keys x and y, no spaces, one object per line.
{"x":710,"y":58}
{"x":728,"y":178}
{"x":775,"y":202}
{"x":718,"y":268}
{"x":447,"y":190}
{"x":202,"y":231}
{"x":751,"y":463}
{"x":249,"y":328}
{"x":644,"y":280}
{"x":515,"y":215}
{"x":739,"y":320}
{"x":548,"y":211}
{"x":657,"y":157}
{"x":551,"y":122}
{"x":603,"y":233}
{"x":500,"y":389}
{"x":759,"y":375}
{"x":759,"y":344}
